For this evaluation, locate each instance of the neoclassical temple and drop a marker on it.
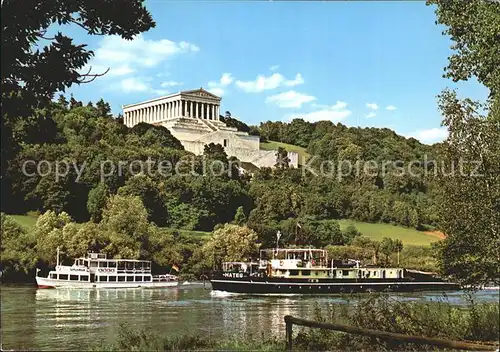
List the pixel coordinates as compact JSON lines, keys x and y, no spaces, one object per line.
{"x":193,"y":117}
{"x":192,"y":103}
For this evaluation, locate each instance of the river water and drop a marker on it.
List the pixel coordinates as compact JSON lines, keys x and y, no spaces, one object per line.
{"x":38,"y":319}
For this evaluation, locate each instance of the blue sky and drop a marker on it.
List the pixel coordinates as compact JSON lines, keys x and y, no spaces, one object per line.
{"x":359,"y":63}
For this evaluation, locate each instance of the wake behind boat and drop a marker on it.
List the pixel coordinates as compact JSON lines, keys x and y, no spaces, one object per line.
{"x":96,"y":271}
{"x":307,"y":271}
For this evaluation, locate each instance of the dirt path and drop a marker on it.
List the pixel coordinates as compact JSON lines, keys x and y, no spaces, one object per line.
{"x":437,"y":234}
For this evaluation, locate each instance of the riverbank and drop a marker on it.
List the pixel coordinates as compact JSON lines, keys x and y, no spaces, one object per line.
{"x":440,"y":319}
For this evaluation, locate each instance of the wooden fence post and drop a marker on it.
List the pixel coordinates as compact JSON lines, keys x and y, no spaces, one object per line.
{"x":289,"y":333}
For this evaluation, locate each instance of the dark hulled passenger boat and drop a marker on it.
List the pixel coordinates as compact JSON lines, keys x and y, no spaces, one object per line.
{"x":308,"y":271}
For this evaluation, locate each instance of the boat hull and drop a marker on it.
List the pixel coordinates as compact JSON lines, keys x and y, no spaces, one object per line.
{"x":325,"y":286}
{"x":43,"y":282}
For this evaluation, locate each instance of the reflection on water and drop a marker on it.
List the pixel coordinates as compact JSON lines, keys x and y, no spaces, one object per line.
{"x":76,"y":319}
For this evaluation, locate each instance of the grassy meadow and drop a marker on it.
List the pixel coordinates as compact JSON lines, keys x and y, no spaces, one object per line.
{"x":271,"y":145}
{"x":377,"y":231}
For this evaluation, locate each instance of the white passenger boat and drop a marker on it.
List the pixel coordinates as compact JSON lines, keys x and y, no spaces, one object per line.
{"x":96,"y":271}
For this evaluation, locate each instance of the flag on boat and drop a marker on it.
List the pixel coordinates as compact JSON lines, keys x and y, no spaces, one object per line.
{"x":175,"y":267}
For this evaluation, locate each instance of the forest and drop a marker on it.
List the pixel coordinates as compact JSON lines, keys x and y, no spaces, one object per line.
{"x":76,"y":139}
{"x":144,"y":215}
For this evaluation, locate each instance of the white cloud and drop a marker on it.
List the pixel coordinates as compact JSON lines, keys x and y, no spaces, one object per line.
{"x":124,"y":57}
{"x":370,"y":115}
{"x":217,"y":91}
{"x":129,"y":85}
{"x":170,"y":84}
{"x":290,"y":99}
{"x":430,"y":136}
{"x":262,"y":83}
{"x":334,"y":113}
{"x":140,"y":51}
{"x":274,"y":68}
{"x":218,"y":87}
{"x":160,"y":91}
{"x":226,"y":79}
{"x":390,"y":107}
{"x":372,"y":106}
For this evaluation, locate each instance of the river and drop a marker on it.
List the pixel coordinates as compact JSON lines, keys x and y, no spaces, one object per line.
{"x":37,"y":319}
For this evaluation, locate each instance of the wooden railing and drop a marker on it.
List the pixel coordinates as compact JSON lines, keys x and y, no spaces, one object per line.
{"x":384,"y":335}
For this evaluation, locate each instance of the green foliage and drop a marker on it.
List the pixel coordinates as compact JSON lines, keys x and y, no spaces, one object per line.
{"x":469,"y":208}
{"x":473,"y":26}
{"x":17,"y":248}
{"x":147,"y":190}
{"x":240,"y":217}
{"x":230,"y":243}
{"x":35,"y":66}
{"x":129,"y":339}
{"x":96,"y":201}
{"x":441,"y":319}
{"x":153,"y":135}
{"x":52,"y":230}
{"x":351,"y":232}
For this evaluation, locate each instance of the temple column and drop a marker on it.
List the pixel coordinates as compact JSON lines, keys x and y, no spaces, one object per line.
{"x":217,"y":113}
{"x":213,"y":112}
{"x":178,"y":108}
{"x":202,"y":110}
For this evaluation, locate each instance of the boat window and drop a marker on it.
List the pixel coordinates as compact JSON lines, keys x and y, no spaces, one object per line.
{"x":130,"y":278}
{"x":294,"y":272}
{"x":112,"y":278}
{"x":345,"y":272}
{"x":138,"y":278}
{"x":84,"y":277}
{"x":73,"y":277}
{"x":63,"y":276}
{"x":306,"y":272}
{"x":147,"y":278}
{"x":103,"y":278}
{"x":121,"y":278}
{"x":93,"y":264}
{"x":121,"y":265}
{"x":103,"y":264}
{"x":374,"y":273}
{"x":53,"y":276}
{"x":111,"y":264}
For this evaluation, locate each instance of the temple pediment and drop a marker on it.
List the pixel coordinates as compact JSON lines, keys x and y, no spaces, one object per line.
{"x":200,"y":93}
